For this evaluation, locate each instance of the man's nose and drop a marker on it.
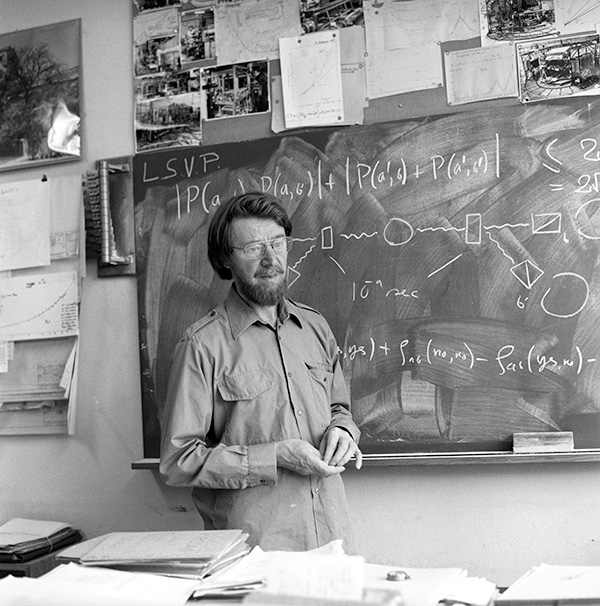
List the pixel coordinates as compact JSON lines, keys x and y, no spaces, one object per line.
{"x":269,"y":254}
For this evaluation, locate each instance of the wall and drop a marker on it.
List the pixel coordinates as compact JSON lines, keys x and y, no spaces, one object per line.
{"x":494,"y":520}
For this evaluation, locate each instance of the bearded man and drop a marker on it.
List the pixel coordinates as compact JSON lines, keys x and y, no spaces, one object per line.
{"x":257,"y":415}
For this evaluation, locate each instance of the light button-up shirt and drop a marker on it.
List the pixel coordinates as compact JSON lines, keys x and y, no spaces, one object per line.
{"x":237,"y":386}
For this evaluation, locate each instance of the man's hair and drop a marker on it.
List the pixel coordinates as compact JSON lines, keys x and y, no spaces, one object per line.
{"x":251,"y":204}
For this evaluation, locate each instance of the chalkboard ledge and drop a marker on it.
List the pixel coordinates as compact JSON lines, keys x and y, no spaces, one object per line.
{"x":576,"y":456}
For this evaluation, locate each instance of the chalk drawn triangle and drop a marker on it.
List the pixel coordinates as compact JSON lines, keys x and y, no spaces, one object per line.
{"x":293,"y":276}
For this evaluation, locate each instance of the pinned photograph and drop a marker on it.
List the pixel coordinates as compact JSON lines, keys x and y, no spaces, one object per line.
{"x":558,"y":68}
{"x":197,"y":37}
{"x":167,"y":110}
{"x":235,"y":90}
{"x":515,"y":20}
{"x":39,"y":95}
{"x":317,"y":15}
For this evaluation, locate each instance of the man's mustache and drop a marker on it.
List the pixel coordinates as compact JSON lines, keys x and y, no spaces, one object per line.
{"x":268,"y":272}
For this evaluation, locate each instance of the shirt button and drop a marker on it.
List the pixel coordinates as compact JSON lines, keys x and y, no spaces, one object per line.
{"x":289,"y":374}
{"x":300,"y":413}
{"x":316,"y":491}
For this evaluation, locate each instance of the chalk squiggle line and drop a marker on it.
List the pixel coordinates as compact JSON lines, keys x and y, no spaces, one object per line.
{"x":421,"y":229}
{"x":304,"y":239}
{"x":348,"y":236}
{"x":304,"y":257}
{"x":500,"y":248}
{"x":506,"y":225}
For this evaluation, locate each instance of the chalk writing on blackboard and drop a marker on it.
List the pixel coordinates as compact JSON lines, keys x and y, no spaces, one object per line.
{"x":455,"y":259}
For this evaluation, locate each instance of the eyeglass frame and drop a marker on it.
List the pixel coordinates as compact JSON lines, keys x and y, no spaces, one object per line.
{"x":263,"y":244}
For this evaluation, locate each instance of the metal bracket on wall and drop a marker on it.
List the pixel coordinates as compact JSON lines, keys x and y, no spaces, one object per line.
{"x":108,"y":197}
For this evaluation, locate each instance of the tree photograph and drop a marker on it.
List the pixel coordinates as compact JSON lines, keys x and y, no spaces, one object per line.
{"x":39,"y":95}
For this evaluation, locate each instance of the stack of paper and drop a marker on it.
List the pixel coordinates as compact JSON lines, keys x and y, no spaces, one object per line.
{"x":22,"y":540}
{"x":266,"y":570}
{"x":471,"y":591}
{"x":190,"y":554}
{"x":329,"y":576}
{"x":74,"y":585}
{"x":549,"y":585}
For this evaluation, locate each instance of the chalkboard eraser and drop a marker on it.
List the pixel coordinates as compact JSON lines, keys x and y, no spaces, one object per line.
{"x":543,"y":441}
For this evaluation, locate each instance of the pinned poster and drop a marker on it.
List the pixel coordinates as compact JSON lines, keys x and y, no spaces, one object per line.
{"x":311,"y":79}
{"x":39,"y":307}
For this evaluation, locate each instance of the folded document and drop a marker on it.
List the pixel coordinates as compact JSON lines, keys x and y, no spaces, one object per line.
{"x":22,"y":540}
{"x":550,"y":584}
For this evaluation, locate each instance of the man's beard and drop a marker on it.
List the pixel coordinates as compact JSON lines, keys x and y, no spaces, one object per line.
{"x":265,"y":295}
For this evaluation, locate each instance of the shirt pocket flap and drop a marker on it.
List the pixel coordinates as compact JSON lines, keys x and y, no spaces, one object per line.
{"x":245,"y":386}
{"x":321,"y":372}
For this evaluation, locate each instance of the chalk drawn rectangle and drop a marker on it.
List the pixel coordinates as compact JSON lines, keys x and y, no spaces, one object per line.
{"x":546,"y":223}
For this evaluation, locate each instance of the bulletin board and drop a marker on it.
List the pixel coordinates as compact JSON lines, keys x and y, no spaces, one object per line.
{"x":454,"y":256}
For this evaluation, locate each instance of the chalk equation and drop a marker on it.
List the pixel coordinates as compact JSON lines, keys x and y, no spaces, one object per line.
{"x":504,"y":360}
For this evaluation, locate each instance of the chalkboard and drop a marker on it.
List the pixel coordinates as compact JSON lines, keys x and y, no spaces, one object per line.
{"x":455,"y":257}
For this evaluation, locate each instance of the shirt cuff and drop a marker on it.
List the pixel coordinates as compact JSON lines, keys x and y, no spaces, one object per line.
{"x":262,"y":464}
{"x":347,"y":425}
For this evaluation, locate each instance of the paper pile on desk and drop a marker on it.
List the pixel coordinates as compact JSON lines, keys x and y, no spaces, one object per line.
{"x":548,"y":584}
{"x":191,"y":554}
{"x":75,"y":585}
{"x":254,"y":571}
{"x":423,"y":586}
{"x":22,"y":540}
{"x":328,"y":576}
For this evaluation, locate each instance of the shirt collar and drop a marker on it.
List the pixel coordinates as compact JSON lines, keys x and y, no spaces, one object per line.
{"x":241,"y":315}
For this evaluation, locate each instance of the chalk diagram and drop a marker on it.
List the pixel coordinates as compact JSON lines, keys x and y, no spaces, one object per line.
{"x":456,"y":260}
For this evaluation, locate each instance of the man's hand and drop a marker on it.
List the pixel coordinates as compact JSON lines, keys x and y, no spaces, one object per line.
{"x":337,"y":447}
{"x":304,"y":458}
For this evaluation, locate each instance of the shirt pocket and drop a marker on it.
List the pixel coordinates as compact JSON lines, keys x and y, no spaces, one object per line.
{"x":247,"y":404}
{"x":245,"y":386}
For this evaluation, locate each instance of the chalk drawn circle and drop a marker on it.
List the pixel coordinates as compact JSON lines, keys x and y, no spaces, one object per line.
{"x":568,"y":288}
{"x":398,"y":232}
{"x":580,"y":210}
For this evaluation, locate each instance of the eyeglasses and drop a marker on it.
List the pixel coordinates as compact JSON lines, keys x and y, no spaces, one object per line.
{"x":256,"y":250}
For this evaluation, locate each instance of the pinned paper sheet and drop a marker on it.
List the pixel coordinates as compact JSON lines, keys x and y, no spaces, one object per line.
{"x":65,"y":220}
{"x":311,"y":79}
{"x":574,"y":16}
{"x":354,"y":87}
{"x":25,"y":225}
{"x":391,"y":71}
{"x":39,"y":307}
{"x":410,"y":24}
{"x":478,"y":74}
{"x":248,"y":30}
